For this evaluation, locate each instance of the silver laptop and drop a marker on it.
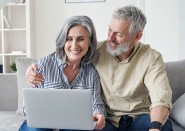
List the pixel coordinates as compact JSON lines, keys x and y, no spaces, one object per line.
{"x":59,"y":108}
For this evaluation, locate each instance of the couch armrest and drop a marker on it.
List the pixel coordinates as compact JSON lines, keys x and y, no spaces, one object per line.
{"x":8,"y":92}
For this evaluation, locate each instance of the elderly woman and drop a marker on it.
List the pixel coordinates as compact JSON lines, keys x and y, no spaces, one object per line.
{"x":70,"y":66}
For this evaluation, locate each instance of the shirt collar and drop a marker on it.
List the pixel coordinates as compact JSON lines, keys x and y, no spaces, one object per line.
{"x":61,"y":62}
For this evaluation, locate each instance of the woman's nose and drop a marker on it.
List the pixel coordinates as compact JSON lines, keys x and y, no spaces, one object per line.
{"x":74,"y":43}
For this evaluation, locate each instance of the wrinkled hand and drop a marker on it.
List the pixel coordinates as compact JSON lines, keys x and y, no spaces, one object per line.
{"x":100,"y":121}
{"x":32,"y":77}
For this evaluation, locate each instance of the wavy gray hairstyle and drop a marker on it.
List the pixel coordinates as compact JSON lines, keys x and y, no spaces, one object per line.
{"x":135,"y":15}
{"x":88,"y":25}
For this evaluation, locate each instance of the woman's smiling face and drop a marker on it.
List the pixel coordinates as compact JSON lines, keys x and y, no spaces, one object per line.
{"x":77,"y":43}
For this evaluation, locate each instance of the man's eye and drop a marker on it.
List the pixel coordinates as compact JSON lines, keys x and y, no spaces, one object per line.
{"x":118,"y":34}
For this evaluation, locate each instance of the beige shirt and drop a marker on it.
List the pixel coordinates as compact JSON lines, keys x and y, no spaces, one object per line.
{"x":135,"y":85}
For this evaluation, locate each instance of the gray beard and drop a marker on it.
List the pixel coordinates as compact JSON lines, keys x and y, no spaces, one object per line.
{"x":122,"y":48}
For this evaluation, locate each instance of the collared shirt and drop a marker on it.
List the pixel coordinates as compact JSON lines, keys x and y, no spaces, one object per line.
{"x":135,"y":85}
{"x":52,"y":69}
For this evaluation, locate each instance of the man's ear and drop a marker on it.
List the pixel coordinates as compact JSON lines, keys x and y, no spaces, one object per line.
{"x":138,"y":36}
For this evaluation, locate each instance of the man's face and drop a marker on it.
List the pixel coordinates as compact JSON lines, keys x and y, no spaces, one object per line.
{"x":118,"y":37}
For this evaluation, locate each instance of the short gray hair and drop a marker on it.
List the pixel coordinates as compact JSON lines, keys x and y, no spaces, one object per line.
{"x":88,"y":25}
{"x":135,"y":15}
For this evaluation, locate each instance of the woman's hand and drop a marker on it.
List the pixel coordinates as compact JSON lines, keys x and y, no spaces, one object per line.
{"x":100,"y":121}
{"x":32,"y":77}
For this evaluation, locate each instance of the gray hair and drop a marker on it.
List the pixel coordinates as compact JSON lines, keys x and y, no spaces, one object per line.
{"x":135,"y":15}
{"x":88,"y":25}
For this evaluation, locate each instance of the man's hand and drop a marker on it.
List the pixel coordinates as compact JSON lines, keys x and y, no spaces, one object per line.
{"x":32,"y":77}
{"x":100,"y":121}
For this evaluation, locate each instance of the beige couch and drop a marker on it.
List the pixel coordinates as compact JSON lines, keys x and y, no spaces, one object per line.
{"x":11,"y":96}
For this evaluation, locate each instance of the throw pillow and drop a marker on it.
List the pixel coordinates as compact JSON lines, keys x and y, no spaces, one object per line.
{"x":178,"y":111}
{"x":22,"y":64}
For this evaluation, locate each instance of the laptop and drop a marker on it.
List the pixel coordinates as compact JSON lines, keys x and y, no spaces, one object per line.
{"x":59,"y":108}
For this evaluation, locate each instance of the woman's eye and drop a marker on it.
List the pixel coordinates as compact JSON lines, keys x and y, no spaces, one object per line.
{"x":80,"y":39}
{"x":69,"y":39}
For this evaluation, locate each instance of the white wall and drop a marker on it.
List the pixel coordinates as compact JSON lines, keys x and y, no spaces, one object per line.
{"x":49,"y":15}
{"x":182,"y":29}
{"x":165,"y":29}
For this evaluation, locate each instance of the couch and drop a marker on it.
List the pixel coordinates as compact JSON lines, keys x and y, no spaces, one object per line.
{"x":11,"y":115}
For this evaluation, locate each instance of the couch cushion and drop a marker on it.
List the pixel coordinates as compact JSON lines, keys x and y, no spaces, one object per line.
{"x":9,"y":121}
{"x":178,"y":111}
{"x":22,"y":64}
{"x":176,"y":126}
{"x":176,"y":74}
